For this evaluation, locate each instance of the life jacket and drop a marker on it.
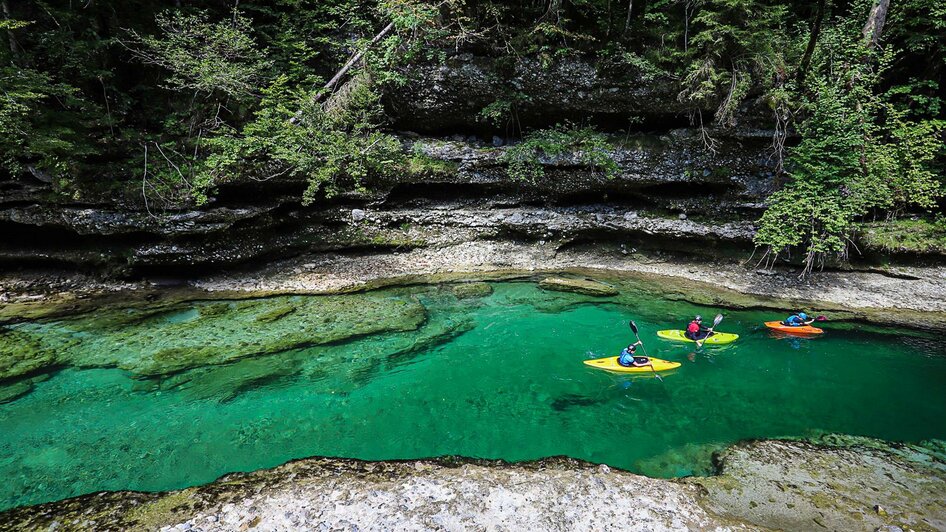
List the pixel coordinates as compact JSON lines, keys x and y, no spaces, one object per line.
{"x":626,"y":358}
{"x":693,"y":327}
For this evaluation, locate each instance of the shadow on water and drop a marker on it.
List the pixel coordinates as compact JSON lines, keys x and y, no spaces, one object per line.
{"x":642,"y":387}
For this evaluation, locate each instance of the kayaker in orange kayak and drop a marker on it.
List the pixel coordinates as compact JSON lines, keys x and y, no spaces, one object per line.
{"x":798,"y":320}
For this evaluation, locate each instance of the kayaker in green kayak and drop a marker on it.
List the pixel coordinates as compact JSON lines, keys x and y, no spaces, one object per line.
{"x":628,"y":359}
{"x":697,"y":331}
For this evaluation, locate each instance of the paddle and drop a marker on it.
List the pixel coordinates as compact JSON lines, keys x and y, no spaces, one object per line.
{"x":634,"y":328}
{"x":716,"y":320}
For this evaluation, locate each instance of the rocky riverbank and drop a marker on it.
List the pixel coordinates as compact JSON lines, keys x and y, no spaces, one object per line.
{"x":904,"y":296}
{"x":864,"y":485}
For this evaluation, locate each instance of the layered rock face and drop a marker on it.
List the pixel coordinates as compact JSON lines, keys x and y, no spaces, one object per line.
{"x":669,"y":192}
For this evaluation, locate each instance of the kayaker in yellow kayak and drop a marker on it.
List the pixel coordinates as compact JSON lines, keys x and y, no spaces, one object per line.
{"x":697,"y":331}
{"x":798,"y":320}
{"x":628,"y":359}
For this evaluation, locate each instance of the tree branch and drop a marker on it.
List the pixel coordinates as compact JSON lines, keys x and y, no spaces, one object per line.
{"x":327,"y":89}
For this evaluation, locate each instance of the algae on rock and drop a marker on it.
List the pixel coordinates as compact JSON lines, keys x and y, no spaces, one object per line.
{"x":579,"y":286}
{"x":199,"y":334}
{"x":471,"y":290}
{"x":21,"y":353}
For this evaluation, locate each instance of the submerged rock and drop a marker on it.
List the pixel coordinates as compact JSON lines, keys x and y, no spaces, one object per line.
{"x":12,"y":392}
{"x":192,"y":335}
{"x":471,"y":290}
{"x":22,"y":353}
{"x":578,"y":286}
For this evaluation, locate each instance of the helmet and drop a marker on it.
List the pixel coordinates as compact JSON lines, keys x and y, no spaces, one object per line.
{"x":803,"y":316}
{"x":632,"y":347}
{"x":698,"y":318}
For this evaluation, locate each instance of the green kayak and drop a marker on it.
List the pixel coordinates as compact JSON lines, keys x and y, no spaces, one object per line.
{"x":716,"y":339}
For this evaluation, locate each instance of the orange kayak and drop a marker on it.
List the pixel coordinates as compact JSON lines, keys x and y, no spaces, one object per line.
{"x":805,"y":330}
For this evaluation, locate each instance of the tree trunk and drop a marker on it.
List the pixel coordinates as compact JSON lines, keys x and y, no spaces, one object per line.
{"x":14,"y":47}
{"x":812,"y":41}
{"x":627,"y":21}
{"x":875,"y":23}
{"x":329,"y":87}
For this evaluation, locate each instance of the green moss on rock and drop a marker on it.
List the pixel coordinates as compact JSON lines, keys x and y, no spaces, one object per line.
{"x":22,"y":352}
{"x":276,"y":313}
{"x":162,"y":511}
{"x":228,"y":332}
{"x":471,"y":290}
{"x":213,"y":309}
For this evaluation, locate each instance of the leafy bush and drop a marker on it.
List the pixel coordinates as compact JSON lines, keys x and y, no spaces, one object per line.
{"x":334,"y":148}
{"x":918,"y":235}
{"x":204,"y":56}
{"x":858,"y":154}
{"x":590,"y":148}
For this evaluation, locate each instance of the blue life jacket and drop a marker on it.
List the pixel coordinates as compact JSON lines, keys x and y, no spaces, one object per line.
{"x":626,"y":358}
{"x":794,"y":320}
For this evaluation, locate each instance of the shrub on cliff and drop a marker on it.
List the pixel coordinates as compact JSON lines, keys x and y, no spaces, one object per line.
{"x":586,"y":146}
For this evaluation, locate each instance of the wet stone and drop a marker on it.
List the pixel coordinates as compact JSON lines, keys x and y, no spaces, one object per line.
{"x":586,"y":287}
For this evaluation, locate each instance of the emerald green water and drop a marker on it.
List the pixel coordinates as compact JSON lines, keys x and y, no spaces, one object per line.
{"x":494,"y":377}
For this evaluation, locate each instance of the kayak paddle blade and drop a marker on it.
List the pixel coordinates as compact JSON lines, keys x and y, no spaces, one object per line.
{"x":633,"y":327}
{"x":821,"y":318}
{"x":717,"y":319}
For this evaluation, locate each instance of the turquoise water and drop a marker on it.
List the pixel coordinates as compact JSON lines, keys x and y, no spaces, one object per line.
{"x":497,"y":377}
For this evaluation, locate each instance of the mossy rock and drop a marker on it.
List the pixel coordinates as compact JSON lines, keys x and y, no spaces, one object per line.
{"x":225,"y":334}
{"x":586,"y":287}
{"x":471,"y":290}
{"x":276,"y":313}
{"x":211,"y":310}
{"x":22,"y":352}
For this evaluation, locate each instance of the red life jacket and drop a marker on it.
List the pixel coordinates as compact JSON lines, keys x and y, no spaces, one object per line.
{"x":693,"y":327}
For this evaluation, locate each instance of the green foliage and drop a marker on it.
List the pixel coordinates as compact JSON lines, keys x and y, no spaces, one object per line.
{"x":244,"y":100}
{"x":913,"y":235}
{"x":496,"y":113}
{"x":858,"y":154}
{"x":734,"y":44}
{"x":526,"y":160}
{"x":204,"y":56}
{"x":29,"y":134}
{"x":648,"y":70}
{"x":334,"y":149}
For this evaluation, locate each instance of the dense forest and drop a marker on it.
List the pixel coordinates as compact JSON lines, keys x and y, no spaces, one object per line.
{"x":155,"y":103}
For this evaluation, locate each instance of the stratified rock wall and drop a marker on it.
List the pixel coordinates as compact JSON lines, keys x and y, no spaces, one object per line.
{"x":669,"y":193}
{"x":667,"y":187}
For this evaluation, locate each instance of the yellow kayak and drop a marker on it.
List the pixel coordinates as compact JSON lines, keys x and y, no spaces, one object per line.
{"x":716,"y":339}
{"x":611,"y":364}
